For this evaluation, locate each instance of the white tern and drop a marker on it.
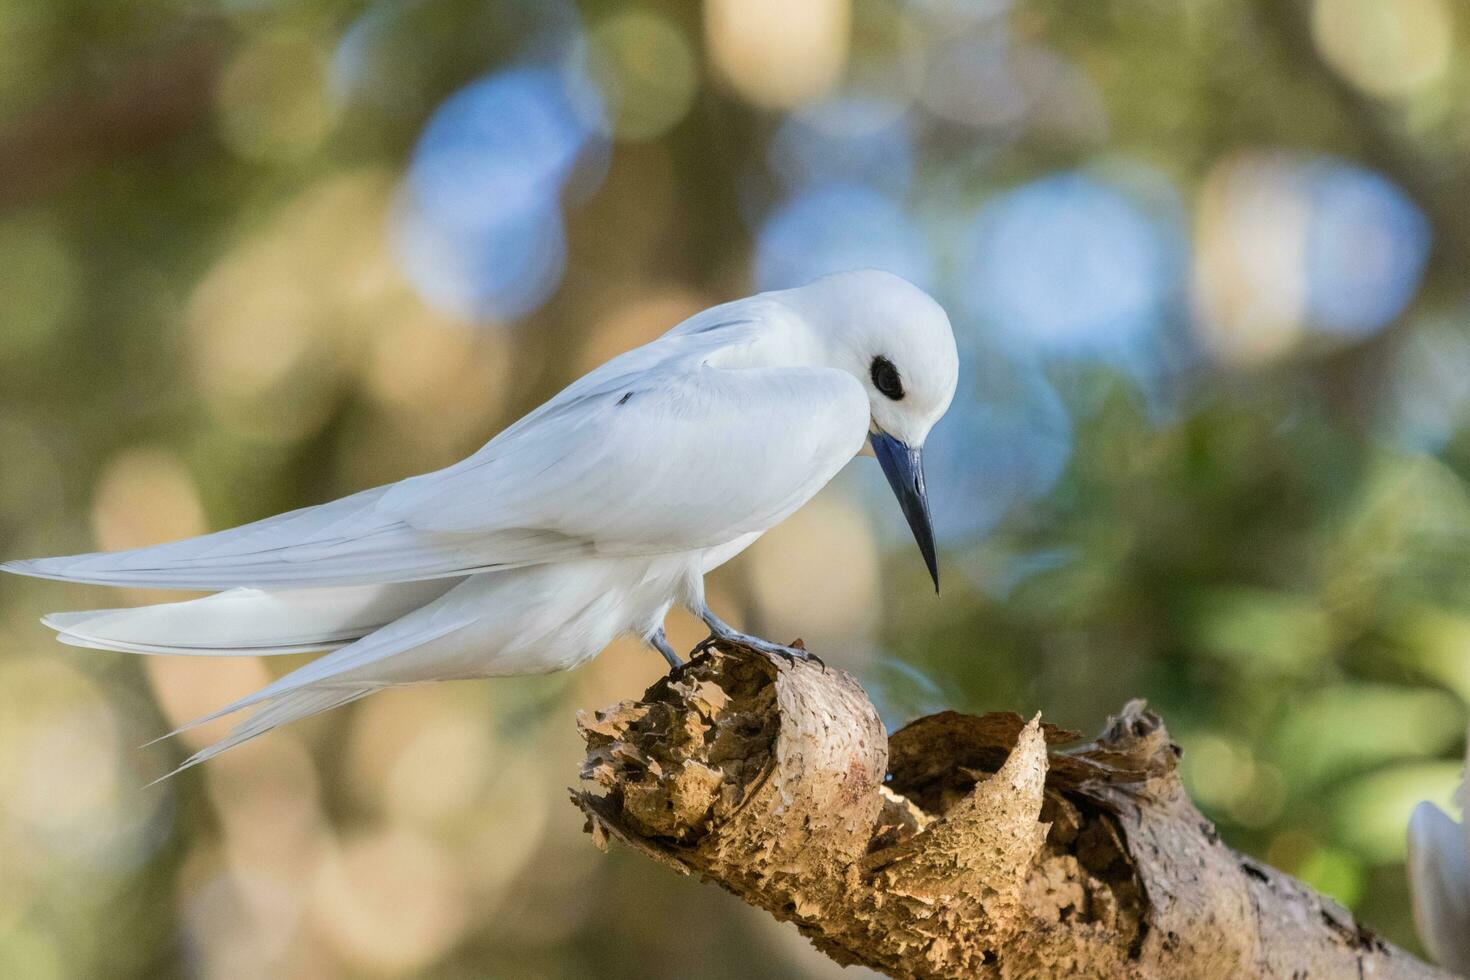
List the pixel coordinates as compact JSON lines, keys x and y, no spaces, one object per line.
{"x":585,"y":520}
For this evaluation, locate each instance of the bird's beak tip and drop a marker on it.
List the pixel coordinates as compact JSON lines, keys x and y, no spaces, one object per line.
{"x":902,"y":465}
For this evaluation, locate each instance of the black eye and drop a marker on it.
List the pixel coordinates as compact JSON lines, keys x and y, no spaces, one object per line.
{"x":885,"y":378}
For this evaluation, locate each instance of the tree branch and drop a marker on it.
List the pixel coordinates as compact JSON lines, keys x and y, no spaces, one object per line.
{"x":961,"y":847}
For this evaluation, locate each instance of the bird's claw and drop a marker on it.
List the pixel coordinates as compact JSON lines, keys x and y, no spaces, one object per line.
{"x":791,"y":654}
{"x":796,"y":651}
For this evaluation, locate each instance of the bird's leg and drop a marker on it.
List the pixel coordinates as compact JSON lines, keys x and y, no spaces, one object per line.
{"x":660,"y":642}
{"x":722,"y":632}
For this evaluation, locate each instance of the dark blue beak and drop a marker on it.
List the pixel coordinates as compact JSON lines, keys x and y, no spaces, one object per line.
{"x":904,"y":467}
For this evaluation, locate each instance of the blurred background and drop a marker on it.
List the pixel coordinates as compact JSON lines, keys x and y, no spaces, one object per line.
{"x":1205,"y":259}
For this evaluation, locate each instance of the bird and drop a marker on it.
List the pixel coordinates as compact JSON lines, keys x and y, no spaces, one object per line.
{"x":586,"y":520}
{"x":1438,"y":865}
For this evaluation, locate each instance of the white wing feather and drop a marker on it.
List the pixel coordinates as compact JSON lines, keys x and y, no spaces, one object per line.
{"x":675,"y":462}
{"x":254,"y":622}
{"x":656,"y":451}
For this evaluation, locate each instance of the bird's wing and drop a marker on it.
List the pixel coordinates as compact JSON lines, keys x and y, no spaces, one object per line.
{"x":257,"y":622}
{"x":673,"y":460}
{"x":654,"y":451}
{"x":342,"y":542}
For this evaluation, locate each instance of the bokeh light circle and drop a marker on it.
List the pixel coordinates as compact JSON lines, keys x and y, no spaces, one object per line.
{"x":776,"y":53}
{"x":1067,"y":265}
{"x":1385,"y":47}
{"x":479,"y":225}
{"x":1287,"y":247}
{"x":1366,"y":248}
{"x":647,"y":72}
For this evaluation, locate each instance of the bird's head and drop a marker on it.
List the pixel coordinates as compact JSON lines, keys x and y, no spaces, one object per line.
{"x":898,"y":343}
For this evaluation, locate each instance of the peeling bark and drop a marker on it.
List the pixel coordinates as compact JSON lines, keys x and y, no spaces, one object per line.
{"x":962,"y":846}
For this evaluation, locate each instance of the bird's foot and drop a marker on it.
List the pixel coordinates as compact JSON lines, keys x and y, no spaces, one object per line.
{"x":796,"y":651}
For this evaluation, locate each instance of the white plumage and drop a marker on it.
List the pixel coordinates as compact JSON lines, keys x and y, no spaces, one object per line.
{"x":585,"y":520}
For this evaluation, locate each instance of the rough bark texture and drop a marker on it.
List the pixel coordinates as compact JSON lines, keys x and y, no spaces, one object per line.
{"x":962,"y":846}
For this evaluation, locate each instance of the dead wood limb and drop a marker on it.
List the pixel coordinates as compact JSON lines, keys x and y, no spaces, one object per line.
{"x":961,"y":846}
